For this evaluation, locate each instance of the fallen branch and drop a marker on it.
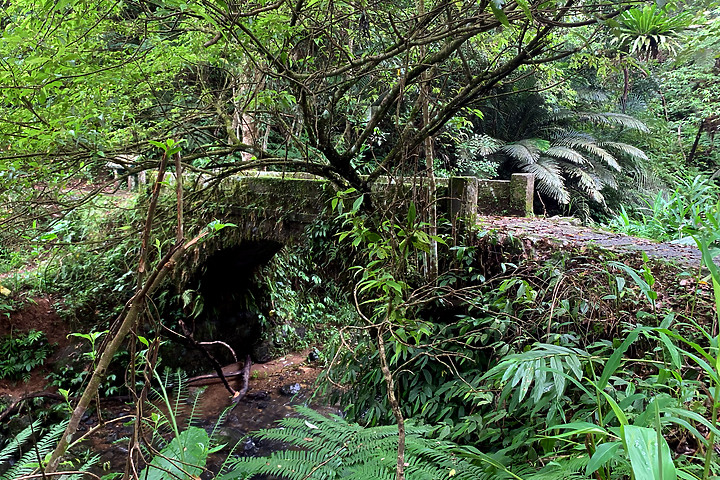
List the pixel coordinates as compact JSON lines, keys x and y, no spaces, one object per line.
{"x":214,"y":376}
{"x":190,"y":341}
{"x":245,"y":381}
{"x":16,"y":404}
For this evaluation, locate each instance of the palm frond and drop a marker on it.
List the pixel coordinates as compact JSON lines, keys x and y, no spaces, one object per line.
{"x":586,"y":182}
{"x":524,"y":151}
{"x":604,"y":118}
{"x":590,"y":145}
{"x":605,"y":176}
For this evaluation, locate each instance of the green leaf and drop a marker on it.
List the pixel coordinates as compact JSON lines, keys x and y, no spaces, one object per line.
{"x":649,"y":460}
{"x":496,"y":7}
{"x":159,"y":145}
{"x":578,"y":428}
{"x":411,"y":214}
{"x":615,"y":408}
{"x":616,"y":358}
{"x":602,"y":455}
{"x":357,"y":203}
{"x":672,"y":350}
{"x":185,"y":454}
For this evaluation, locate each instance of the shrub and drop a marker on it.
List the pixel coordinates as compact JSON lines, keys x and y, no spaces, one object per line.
{"x":19,"y":354}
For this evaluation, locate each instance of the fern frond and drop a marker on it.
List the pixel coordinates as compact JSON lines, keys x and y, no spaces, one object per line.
{"x":480,"y":145}
{"x":83,"y":468}
{"x":562,"y":469}
{"x":625,"y":149}
{"x":16,"y":443}
{"x":550,"y":181}
{"x":562,"y":152}
{"x":349,"y":451}
{"x":28,"y":462}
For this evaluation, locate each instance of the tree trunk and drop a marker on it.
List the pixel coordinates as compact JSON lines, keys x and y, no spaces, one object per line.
{"x":432,"y":256}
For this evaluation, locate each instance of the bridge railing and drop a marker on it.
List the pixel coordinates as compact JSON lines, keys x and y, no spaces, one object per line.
{"x":465,"y":196}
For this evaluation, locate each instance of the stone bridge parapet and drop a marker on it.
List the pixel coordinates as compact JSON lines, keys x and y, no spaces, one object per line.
{"x":278,"y":206}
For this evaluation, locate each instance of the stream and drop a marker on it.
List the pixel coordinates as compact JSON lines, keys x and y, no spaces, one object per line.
{"x":275,"y":388}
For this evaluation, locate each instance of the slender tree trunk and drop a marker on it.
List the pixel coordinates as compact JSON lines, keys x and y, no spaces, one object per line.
{"x":432,"y":257}
{"x":394,"y":405}
{"x":696,"y":142}
{"x":626,"y":88}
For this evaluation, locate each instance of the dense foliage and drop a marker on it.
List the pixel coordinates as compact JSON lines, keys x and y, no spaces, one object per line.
{"x":451,"y":352}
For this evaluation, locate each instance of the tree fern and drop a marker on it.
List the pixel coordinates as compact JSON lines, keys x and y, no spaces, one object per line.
{"x":549,"y":177}
{"x":331,"y":448}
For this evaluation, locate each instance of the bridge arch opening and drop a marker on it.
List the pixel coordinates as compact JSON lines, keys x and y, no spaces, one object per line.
{"x":224,"y":308}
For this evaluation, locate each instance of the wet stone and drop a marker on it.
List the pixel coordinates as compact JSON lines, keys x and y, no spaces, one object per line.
{"x":249,"y":448}
{"x":290,"y":389}
{"x":314,"y":355}
{"x":263,"y":352}
{"x":262,"y":395}
{"x":18,"y":424}
{"x":230,"y":437}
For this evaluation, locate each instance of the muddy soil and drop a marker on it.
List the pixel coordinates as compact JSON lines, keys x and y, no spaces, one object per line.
{"x":37,"y":314}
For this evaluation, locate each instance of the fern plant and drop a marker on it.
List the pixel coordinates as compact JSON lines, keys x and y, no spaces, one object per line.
{"x":327,"y":448}
{"x":21,"y":353}
{"x":184,"y":455}
{"x":29,"y":455}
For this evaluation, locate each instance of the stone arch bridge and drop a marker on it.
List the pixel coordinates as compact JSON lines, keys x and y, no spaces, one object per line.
{"x":271,"y":210}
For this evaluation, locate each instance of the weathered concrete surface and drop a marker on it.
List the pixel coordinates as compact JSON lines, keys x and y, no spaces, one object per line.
{"x":512,"y":197}
{"x":569,"y":233}
{"x":277,"y":206}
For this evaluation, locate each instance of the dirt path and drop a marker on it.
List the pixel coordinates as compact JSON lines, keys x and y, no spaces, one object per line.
{"x":569,"y":232}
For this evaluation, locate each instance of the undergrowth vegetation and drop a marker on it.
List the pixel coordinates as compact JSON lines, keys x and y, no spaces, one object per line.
{"x":20,"y":353}
{"x":692,"y":208}
{"x":453,"y":353}
{"x":569,"y":364}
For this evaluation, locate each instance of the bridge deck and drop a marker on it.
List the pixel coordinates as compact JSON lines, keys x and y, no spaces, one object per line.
{"x":569,"y":232}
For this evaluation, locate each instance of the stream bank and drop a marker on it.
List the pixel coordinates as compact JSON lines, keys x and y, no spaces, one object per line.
{"x":274,"y":388}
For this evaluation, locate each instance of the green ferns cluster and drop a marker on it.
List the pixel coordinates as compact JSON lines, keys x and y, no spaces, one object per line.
{"x":19,"y":354}
{"x":27,"y":455}
{"x":332,"y":448}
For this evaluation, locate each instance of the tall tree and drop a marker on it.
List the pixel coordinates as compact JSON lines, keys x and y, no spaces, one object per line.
{"x":324,"y":80}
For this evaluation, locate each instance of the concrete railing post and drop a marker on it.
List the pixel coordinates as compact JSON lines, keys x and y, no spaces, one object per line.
{"x":522,"y":191}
